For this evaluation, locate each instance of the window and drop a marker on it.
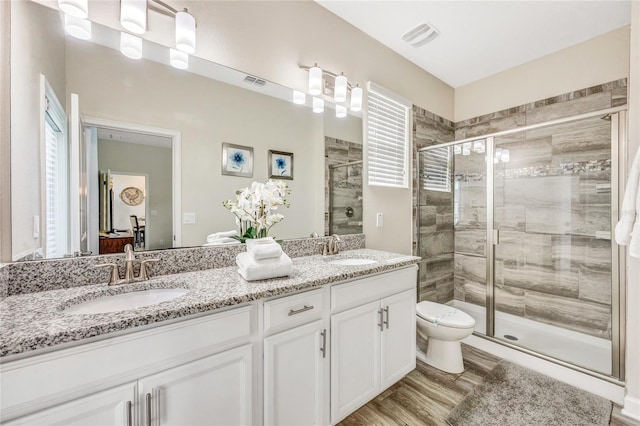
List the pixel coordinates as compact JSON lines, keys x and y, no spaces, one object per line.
{"x":56,"y":227}
{"x":387,"y":138}
{"x":436,"y":172}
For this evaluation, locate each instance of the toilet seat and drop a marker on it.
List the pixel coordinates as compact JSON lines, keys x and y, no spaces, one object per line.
{"x":443,"y":315}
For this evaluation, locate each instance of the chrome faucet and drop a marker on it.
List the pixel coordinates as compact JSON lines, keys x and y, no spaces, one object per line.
{"x":331,"y":246}
{"x":129,"y":274}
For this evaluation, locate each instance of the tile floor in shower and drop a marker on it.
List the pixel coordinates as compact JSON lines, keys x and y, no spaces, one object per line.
{"x":580,"y":349}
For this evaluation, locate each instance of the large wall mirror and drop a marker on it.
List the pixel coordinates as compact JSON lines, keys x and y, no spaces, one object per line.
{"x":106,"y":148}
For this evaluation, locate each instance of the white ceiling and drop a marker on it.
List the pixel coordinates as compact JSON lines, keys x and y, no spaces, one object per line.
{"x":481,"y":38}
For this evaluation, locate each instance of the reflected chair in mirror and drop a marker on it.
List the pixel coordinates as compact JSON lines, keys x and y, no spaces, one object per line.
{"x":138,"y":231}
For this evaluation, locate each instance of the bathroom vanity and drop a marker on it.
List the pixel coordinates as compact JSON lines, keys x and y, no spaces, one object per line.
{"x":307,"y":349}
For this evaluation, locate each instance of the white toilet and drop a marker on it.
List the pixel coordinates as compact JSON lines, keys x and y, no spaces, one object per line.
{"x":444,"y":327}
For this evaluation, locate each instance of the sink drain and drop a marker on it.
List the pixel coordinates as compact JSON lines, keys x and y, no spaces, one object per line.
{"x":510,"y":337}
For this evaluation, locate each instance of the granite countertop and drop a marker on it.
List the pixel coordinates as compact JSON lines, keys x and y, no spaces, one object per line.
{"x":33,"y":321}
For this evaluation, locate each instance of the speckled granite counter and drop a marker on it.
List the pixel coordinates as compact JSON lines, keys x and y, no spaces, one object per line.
{"x":37,"y":320}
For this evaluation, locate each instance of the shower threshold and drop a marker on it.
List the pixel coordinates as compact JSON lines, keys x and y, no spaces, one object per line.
{"x":577,"y":348}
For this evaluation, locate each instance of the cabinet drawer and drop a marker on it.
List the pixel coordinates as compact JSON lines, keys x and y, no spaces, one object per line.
{"x":293,"y":310}
{"x":359,"y":292}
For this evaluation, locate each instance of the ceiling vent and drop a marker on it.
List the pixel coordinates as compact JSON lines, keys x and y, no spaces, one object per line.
{"x":420,"y":35}
{"x":254,"y":80}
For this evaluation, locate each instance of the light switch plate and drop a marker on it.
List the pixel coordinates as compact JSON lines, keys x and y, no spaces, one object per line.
{"x":189,"y":218}
{"x":379,"y":219}
{"x":36,"y":226}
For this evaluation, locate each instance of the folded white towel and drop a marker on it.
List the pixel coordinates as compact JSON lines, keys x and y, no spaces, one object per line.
{"x":627,"y":230}
{"x":263,"y":248}
{"x":221,"y":241}
{"x":252,"y":269}
{"x":218,"y":235}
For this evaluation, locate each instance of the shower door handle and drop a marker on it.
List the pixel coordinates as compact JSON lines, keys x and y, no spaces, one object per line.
{"x":496,"y":237}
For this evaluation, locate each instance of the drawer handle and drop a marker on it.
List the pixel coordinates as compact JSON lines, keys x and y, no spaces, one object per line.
{"x":386,"y":322}
{"x":148,"y":406}
{"x":381,"y":323}
{"x":301,"y":310}
{"x":323,"y":348}
{"x":129,"y":414}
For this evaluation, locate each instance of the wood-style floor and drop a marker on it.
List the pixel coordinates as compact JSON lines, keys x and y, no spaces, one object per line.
{"x":427,"y":395}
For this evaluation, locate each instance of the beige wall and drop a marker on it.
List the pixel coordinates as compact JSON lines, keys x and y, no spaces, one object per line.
{"x":155,"y":163}
{"x":38,"y":31}
{"x":596,"y":61}
{"x":632,"y":399}
{"x":207,"y":113}
{"x":348,"y":128}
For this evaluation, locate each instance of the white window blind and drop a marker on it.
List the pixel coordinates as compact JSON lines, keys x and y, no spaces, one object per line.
{"x":436,"y":169}
{"x":387,"y":138}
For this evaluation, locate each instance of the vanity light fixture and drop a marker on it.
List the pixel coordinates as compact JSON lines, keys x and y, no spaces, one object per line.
{"x":133,"y":15}
{"x":77,"y":27}
{"x":76,"y":8}
{"x":478,"y":146}
{"x":178,"y":59}
{"x":185,"y":32}
{"x":315,"y":80}
{"x":356,"y":99}
{"x":131,"y":46}
{"x":340,"y":89}
{"x":341,"y":111}
{"x":318,"y":105}
{"x":299,"y":98}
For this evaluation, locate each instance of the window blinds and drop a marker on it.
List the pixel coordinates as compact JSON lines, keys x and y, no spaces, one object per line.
{"x":387,"y":139}
{"x":436,"y":171}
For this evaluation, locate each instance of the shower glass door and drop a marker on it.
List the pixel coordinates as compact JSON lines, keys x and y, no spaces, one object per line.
{"x":345,"y":198}
{"x":552,"y":199}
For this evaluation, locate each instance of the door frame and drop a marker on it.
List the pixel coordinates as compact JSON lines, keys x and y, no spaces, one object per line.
{"x":176,"y":161}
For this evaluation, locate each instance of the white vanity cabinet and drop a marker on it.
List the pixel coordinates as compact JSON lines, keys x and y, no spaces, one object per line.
{"x":372,"y":338}
{"x":296,"y":360}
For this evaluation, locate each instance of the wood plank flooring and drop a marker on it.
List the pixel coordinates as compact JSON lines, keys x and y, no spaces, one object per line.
{"x":427,"y":395}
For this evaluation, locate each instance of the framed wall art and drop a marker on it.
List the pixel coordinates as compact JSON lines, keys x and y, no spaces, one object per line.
{"x":280,"y":165}
{"x":237,"y":160}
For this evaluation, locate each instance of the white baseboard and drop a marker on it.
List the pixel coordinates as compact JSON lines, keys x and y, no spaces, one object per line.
{"x":631,"y":407}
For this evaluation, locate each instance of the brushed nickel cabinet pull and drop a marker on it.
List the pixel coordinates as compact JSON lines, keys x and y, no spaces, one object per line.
{"x":301,"y":310}
{"x":323,"y":348}
{"x":380,"y":324}
{"x":129,"y":414}
{"x":148,"y":406}
{"x":386,"y":310}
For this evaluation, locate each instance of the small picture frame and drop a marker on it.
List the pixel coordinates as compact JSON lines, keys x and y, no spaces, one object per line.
{"x":280,"y":165}
{"x":237,"y":160}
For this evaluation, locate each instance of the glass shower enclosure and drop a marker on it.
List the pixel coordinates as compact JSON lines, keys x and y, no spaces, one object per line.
{"x":530,"y":237}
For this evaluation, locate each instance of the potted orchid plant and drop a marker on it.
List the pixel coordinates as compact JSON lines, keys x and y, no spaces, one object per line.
{"x":255,"y":208}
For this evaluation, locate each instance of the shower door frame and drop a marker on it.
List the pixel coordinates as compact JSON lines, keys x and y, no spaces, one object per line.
{"x":618,"y":116}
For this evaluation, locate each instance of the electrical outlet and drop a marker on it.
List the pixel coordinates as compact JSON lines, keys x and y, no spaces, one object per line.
{"x":379,"y":219}
{"x":36,"y":226}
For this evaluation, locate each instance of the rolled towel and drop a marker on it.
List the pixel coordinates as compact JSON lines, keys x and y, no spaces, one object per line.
{"x":252,"y":270}
{"x":263,"y":248}
{"x":219,"y":235}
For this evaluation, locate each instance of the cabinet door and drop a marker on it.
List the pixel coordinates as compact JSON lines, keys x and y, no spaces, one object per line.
{"x":355,"y":359}
{"x":295,"y":368}
{"x":113,"y":407}
{"x":215,"y":390}
{"x":398,"y":337}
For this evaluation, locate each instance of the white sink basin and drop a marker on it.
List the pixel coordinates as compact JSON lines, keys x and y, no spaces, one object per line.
{"x":352,"y":261}
{"x":126,"y":301}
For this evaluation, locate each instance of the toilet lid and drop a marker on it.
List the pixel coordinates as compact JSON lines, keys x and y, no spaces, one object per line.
{"x":444,"y":315}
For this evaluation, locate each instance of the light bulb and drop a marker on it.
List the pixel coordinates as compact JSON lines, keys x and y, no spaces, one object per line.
{"x":299,"y":98}
{"x":356,"y":99}
{"x":133,"y":15}
{"x":341,"y":111}
{"x":185,"y":32}
{"x":76,"y":8}
{"x":457,"y":149}
{"x":315,"y":80}
{"x":340,"y":90}
{"x":318,"y":105}
{"x":505,"y":156}
{"x":131,"y":46}
{"x":178,"y":59}
{"x":478,"y":146}
{"x":77,"y":27}
{"x":498,"y":152}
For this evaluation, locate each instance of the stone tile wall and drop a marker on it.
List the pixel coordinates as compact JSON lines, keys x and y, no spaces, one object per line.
{"x":552,"y":207}
{"x":346,"y":190}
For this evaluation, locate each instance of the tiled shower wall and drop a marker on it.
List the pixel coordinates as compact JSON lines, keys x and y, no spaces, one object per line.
{"x":551,"y":199}
{"x":435,"y":224}
{"x":347,"y":187}
{"x":551,"y":176}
